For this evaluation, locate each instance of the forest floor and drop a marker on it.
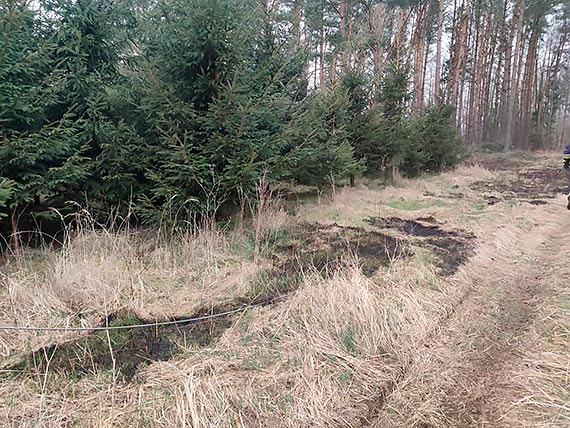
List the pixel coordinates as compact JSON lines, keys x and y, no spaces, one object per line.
{"x":438,"y":302}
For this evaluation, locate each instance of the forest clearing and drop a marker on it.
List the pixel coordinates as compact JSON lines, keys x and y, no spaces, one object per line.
{"x":437,"y":302}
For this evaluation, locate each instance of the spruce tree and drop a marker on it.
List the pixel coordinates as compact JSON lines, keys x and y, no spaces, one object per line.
{"x":42,"y":152}
{"x":322,"y":152}
{"x":385,"y":133}
{"x":216,"y":101}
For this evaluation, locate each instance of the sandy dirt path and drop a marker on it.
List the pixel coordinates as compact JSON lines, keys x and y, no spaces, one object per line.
{"x":463,"y":376}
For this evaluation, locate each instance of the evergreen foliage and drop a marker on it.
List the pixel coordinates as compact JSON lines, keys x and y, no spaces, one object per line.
{"x":187,"y":105}
{"x":384,"y":136}
{"x":42,"y":151}
{"x":322,"y":152}
{"x":434,"y":145}
{"x":6,"y":189}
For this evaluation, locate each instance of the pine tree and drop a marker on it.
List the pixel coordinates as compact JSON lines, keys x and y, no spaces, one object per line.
{"x":42,"y":153}
{"x":434,"y":144}
{"x":6,"y":190}
{"x":91,"y":37}
{"x":386,"y":133}
{"x":321,"y":149}
{"x":216,"y":102}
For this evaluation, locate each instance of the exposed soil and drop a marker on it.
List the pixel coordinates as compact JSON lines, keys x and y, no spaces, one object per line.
{"x":452,"y":248}
{"x":131,"y":348}
{"x":530,"y":185}
{"x":325,"y":246}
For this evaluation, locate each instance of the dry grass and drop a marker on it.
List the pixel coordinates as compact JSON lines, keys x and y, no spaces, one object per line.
{"x":449,"y":384}
{"x":423,"y":397}
{"x":326,"y":356}
{"x":100,"y":272}
{"x":320,"y":359}
{"x":542,"y":378}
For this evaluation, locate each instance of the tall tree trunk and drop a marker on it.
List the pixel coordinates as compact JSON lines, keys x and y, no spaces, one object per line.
{"x":486,"y":55}
{"x":528,"y":82}
{"x":417,"y":47}
{"x":342,"y":30}
{"x":512,"y":95}
{"x":554,"y":70}
{"x":437,"y":78}
{"x":507,"y":74}
{"x":424,"y":69}
{"x":460,"y":63}
{"x":377,"y":25}
{"x":452,"y":52}
{"x":297,"y":22}
{"x":396,"y":43}
{"x":342,"y":14}
{"x":519,"y":87}
{"x":322,"y":45}
{"x":402,"y":20}
{"x":488,"y":103}
{"x":474,"y":85}
{"x":543,"y":88}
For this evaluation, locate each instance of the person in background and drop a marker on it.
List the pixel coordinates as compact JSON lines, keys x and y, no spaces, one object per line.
{"x":566,"y":160}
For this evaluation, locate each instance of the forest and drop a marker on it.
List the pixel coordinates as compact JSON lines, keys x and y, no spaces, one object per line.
{"x":186,"y":106}
{"x":284,"y":213}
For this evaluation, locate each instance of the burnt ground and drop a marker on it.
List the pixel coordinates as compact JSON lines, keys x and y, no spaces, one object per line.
{"x":411,"y":227}
{"x":466,"y":376}
{"x":313,"y":246}
{"x":531,"y":185}
{"x":132,"y":348}
{"x":325,"y":248}
{"x":502,"y":163}
{"x":319,"y":247}
{"x":452,"y":248}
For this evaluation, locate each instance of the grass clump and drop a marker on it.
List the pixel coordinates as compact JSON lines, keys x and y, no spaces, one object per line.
{"x":417,"y":204}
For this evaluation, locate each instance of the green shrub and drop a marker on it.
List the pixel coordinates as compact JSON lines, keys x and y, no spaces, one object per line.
{"x":434,"y":144}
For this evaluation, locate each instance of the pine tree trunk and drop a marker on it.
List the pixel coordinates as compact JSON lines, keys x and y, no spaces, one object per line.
{"x":489,"y":104}
{"x":417,"y":47}
{"x":342,"y":14}
{"x":424,"y":71}
{"x":528,"y":85}
{"x":507,"y":74}
{"x":377,"y":23}
{"x":322,"y":46}
{"x":494,"y":127}
{"x":297,"y":22}
{"x":512,"y":94}
{"x":474,"y":84}
{"x":554,"y":70}
{"x":437,"y":78}
{"x":486,"y":56}
{"x":452,"y":53}
{"x":342,"y":30}
{"x":542,"y":93}
{"x":460,"y":64}
{"x":399,"y":33}
{"x":519,"y":88}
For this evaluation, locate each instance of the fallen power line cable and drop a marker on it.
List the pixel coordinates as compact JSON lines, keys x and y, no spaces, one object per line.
{"x":194,"y":320}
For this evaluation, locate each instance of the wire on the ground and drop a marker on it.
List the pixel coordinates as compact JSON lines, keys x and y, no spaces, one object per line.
{"x":194,"y":320}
